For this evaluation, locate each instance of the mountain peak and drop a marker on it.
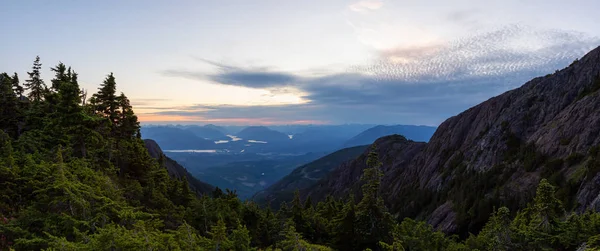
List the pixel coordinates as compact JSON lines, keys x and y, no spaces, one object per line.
{"x":494,"y":154}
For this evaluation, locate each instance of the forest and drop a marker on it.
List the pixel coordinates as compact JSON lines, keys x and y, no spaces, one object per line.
{"x":75,"y":175}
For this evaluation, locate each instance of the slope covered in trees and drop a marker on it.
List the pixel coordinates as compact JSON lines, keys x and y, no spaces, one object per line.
{"x":494,"y":154}
{"x":305,"y":176}
{"x":75,"y":175}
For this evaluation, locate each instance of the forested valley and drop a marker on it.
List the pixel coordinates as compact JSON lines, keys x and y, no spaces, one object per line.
{"x":75,"y":175}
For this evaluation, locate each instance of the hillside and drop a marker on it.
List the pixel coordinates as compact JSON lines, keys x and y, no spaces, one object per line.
{"x":175,"y":169}
{"x":261,"y":133}
{"x":494,"y":154}
{"x":174,"y":138}
{"x":209,"y":132}
{"x":221,"y":129}
{"x":305,"y":176}
{"x":415,"y":133}
{"x":249,"y":177}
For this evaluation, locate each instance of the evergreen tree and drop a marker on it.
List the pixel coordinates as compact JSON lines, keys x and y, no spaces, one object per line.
{"x":60,"y":76}
{"x":219,"y":236}
{"x":496,"y":234}
{"x":374,"y":221}
{"x":127,"y":122}
{"x":538,"y":225}
{"x":240,"y":238}
{"x":35,"y":84}
{"x":106,"y":102}
{"x":345,"y":228}
{"x":9,"y":107}
{"x":298,"y":214}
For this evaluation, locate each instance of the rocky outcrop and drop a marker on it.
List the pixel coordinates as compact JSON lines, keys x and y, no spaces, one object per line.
{"x":175,"y":169}
{"x":494,"y":154}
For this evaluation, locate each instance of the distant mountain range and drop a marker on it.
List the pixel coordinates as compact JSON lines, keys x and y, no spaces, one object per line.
{"x":171,"y":138}
{"x":210,"y":132}
{"x":263,"y":134}
{"x":415,"y":133}
{"x":264,"y":139}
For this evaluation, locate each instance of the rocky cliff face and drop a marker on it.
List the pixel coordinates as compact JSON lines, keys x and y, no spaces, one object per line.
{"x":175,"y":169}
{"x":494,"y":154}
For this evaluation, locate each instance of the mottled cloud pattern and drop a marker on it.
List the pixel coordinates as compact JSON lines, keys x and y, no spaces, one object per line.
{"x":417,"y":85}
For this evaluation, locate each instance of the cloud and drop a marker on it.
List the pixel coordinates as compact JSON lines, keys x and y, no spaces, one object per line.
{"x":415,"y":85}
{"x":366,"y":5}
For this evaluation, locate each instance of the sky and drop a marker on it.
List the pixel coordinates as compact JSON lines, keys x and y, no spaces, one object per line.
{"x":241,"y":62}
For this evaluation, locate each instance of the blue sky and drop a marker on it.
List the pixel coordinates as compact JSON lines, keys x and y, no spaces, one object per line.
{"x":294,"y":62}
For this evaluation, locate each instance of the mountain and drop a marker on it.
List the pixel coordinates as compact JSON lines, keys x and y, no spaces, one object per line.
{"x":175,"y":169}
{"x":210,"y":132}
{"x":221,"y":129}
{"x":493,"y":154}
{"x":326,"y":138}
{"x":305,"y":176}
{"x":416,"y":133}
{"x":262,"y":133}
{"x":174,"y":138}
{"x":249,"y":177}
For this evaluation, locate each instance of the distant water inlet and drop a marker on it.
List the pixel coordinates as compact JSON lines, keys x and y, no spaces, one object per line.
{"x":190,"y":151}
{"x":257,"y":141}
{"x":234,"y":138}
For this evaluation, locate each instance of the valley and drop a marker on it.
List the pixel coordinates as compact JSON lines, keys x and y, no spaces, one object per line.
{"x":249,"y":160}
{"x":362,"y":125}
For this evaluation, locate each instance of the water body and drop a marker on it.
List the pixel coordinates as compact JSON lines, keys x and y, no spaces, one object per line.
{"x":190,"y":151}
{"x":234,"y":138}
{"x":257,"y":141}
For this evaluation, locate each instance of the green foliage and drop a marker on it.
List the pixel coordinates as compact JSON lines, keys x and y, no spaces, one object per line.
{"x":75,"y":175}
{"x":374,"y":222}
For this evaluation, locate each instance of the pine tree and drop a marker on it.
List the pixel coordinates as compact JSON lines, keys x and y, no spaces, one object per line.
{"x":374,"y":221}
{"x":219,"y":236}
{"x":496,"y":234}
{"x":127,"y":123}
{"x":298,"y":214}
{"x":537,"y":224}
{"x":35,"y":84}
{"x":106,"y":101}
{"x":240,"y":238}
{"x":60,"y":76}
{"x":9,"y":107}
{"x":345,"y":227}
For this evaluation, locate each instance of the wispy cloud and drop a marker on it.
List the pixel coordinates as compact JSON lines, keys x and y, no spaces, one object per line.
{"x":420,"y":84}
{"x":366,"y":5}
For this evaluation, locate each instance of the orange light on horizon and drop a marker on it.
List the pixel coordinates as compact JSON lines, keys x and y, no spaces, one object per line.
{"x":149,"y":117}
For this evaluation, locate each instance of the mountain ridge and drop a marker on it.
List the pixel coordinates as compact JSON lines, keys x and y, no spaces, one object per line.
{"x":175,"y":169}
{"x":367,"y":137}
{"x":305,"y":175}
{"x":494,"y":153}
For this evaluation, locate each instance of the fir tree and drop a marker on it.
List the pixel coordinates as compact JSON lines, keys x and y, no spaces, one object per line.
{"x":127,"y":122}
{"x":35,"y":84}
{"x":106,"y":102}
{"x":9,"y":107}
{"x":374,"y":221}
